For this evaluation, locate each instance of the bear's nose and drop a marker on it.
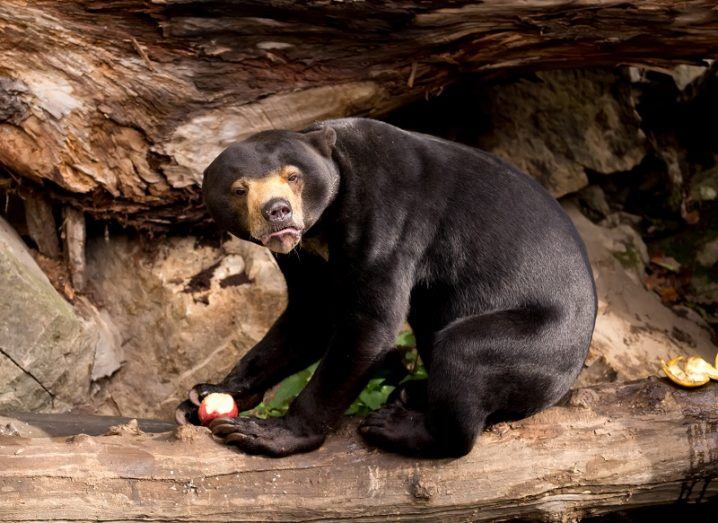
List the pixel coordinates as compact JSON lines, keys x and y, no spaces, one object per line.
{"x":277,"y":210}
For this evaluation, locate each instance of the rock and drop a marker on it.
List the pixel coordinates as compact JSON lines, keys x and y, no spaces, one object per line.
{"x":684,"y":75}
{"x":9,"y":430}
{"x":594,"y":200}
{"x":563,"y":124}
{"x":708,"y":254}
{"x":704,"y":290}
{"x":186,"y":312}
{"x":131,"y":428}
{"x":190,"y":433}
{"x":634,"y":330}
{"x":626,"y":244}
{"x":108,"y":355}
{"x":46,"y":348}
{"x":704,"y":185}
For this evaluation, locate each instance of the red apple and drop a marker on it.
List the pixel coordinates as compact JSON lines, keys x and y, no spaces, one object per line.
{"x":217,"y":405}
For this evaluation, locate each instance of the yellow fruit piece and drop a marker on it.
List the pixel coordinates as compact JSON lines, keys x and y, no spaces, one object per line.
{"x":687,"y":377}
{"x":696,"y":365}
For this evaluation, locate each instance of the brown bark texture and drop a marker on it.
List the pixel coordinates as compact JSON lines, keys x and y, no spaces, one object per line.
{"x":121,"y":105}
{"x":608,"y":448}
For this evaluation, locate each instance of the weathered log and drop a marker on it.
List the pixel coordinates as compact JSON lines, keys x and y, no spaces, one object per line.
{"x":608,"y":448}
{"x":124,"y":103}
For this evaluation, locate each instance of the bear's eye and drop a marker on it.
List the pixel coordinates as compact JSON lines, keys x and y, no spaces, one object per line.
{"x":293,"y":177}
{"x":239,"y":191}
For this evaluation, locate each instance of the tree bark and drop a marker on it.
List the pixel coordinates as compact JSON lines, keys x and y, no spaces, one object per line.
{"x":121,"y":105}
{"x":611,"y":447}
{"x":41,"y":224}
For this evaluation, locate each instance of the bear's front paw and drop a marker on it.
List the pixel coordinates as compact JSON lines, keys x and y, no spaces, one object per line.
{"x":187,"y":411}
{"x":274,"y":437}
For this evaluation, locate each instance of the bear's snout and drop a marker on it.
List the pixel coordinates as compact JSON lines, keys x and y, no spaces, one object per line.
{"x":277,"y":211}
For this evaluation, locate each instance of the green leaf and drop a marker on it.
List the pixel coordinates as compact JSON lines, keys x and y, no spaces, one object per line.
{"x":374,"y":395}
{"x":406,"y":339}
{"x":374,"y":383}
{"x":410,"y":356}
{"x":667,"y":263}
{"x":289,"y":389}
{"x":353,"y":409}
{"x":260,"y":411}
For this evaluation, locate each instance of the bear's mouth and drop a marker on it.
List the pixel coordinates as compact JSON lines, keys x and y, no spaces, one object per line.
{"x":287,"y":233}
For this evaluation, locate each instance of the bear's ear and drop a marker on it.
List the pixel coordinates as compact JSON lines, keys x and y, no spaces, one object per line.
{"x":322,"y":140}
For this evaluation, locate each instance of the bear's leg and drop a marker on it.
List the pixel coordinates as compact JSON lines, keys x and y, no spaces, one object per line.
{"x":403,"y":426}
{"x":508,"y":363}
{"x":298,"y":338}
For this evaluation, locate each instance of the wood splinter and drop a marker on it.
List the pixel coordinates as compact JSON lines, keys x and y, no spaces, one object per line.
{"x":74,"y":235}
{"x":41,"y":225}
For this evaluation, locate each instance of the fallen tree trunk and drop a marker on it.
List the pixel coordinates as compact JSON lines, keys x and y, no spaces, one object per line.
{"x":608,"y":448}
{"x":122,"y":104}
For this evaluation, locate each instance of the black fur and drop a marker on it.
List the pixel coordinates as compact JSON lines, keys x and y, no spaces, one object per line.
{"x":488,"y":268}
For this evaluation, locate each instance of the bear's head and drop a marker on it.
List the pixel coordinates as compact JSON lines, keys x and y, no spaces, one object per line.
{"x":273,"y":186}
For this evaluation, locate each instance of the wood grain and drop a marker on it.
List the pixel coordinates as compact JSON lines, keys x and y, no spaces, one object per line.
{"x":607,"y":448}
{"x":121,"y":105}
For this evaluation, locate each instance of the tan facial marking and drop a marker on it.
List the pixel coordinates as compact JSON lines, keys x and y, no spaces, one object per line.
{"x":275,"y":184}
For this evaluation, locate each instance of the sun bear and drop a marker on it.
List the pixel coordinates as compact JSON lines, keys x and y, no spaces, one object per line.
{"x":372,"y":226}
